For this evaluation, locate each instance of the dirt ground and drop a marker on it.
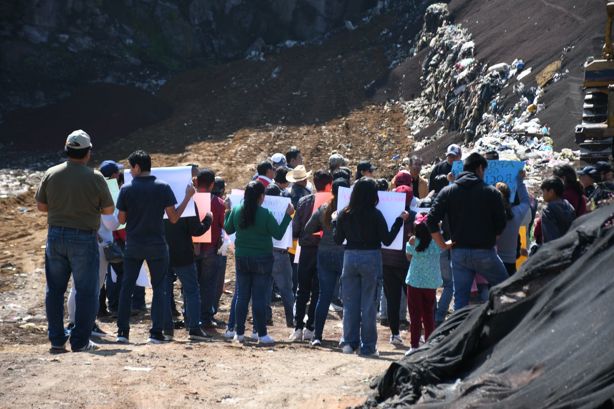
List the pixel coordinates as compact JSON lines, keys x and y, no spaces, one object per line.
{"x":178,"y":374}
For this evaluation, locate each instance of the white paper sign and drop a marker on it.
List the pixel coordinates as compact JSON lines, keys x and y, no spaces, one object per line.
{"x":178,"y":178}
{"x":391,"y":204}
{"x":278,"y":206}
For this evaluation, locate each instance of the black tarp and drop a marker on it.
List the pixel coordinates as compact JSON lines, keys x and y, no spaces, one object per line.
{"x":545,"y":339}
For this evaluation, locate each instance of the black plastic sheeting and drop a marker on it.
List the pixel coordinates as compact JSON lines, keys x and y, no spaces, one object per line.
{"x":545,"y":339}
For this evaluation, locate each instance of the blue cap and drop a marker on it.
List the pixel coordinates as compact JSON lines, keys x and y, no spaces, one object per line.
{"x":109,"y":167}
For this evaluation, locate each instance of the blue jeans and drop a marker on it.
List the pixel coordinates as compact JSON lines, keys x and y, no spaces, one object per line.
{"x":157,"y":260}
{"x":71,"y":251}
{"x":208,"y":268}
{"x":282,"y":276}
{"x":466,"y":263}
{"x":191,"y":297}
{"x":361,"y":272}
{"x":253,"y":281}
{"x":443,"y":305}
{"x":330,"y":266}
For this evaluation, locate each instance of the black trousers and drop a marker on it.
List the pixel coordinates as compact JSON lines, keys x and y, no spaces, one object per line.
{"x":394,"y":286}
{"x":308,"y":288}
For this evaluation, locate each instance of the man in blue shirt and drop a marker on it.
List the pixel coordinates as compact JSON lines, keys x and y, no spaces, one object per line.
{"x":142,"y":204}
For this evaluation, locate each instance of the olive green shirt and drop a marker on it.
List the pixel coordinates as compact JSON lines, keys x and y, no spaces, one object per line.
{"x":74,"y":195}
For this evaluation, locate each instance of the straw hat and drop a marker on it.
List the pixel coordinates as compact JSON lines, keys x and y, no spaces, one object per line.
{"x":298,"y":174}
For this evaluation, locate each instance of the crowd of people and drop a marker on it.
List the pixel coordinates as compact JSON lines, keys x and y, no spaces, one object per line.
{"x":459,"y":235}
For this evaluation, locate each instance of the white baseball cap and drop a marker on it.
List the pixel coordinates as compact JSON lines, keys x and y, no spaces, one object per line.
{"x":78,"y":139}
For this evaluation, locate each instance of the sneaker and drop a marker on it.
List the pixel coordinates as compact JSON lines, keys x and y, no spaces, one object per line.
{"x":198,"y":334}
{"x":316,"y":343}
{"x":178,"y":324}
{"x":308,"y":335}
{"x":266,"y":340}
{"x":58,"y":349}
{"x":209,"y":324}
{"x":297,"y":335}
{"x":229,"y":334}
{"x":168,"y":335}
{"x":410,"y":351}
{"x":69,"y":327}
{"x":122,"y":337}
{"x":336,"y":306}
{"x":254,"y":336}
{"x":347,"y":349}
{"x":238,"y":338}
{"x":374,"y":354}
{"x":156,"y":338}
{"x":97,"y":332}
{"x":384,"y":322}
{"x":89,"y":347}
{"x":422,"y":341}
{"x":396,"y":340}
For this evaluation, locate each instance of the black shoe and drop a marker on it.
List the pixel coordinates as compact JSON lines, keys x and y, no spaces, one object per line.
{"x":103,"y":313}
{"x":123,"y":337}
{"x":97,"y":332}
{"x":168,"y":335}
{"x":178,"y":324}
{"x":404,"y":323}
{"x":157,"y":338}
{"x":209,"y":325}
{"x":384,"y":322}
{"x":197,"y":334}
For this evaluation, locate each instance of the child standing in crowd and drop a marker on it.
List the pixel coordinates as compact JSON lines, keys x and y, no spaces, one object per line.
{"x":558,"y":214}
{"x":254,"y":226}
{"x":365,"y":229}
{"x":423,"y":279}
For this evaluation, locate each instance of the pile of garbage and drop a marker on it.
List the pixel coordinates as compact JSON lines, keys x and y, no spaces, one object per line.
{"x":467,"y":96}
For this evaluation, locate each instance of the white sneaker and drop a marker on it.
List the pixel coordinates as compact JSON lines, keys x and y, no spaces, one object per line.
{"x":347,"y":349}
{"x":316,"y":343}
{"x":238,"y":338}
{"x":266,"y":340}
{"x":297,"y":335}
{"x":410,"y":351}
{"x":229,"y":334}
{"x":254,"y":336}
{"x":422,"y":341}
{"x":396,"y":340}
{"x":308,"y":335}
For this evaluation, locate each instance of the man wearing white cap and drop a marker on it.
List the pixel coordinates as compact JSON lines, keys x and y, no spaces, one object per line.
{"x":73,"y":196}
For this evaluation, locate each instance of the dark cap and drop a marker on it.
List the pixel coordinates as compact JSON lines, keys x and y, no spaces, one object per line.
{"x":603,"y":166}
{"x":109,"y":167}
{"x":365,"y":166}
{"x":589,"y":171}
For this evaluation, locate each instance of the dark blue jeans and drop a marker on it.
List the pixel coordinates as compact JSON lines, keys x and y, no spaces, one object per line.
{"x":330,"y":266}
{"x":157,"y":260}
{"x":191,"y":297}
{"x":208,"y":268}
{"x":71,"y":251}
{"x":361,"y":272}
{"x":466,"y":263}
{"x":253,"y":281}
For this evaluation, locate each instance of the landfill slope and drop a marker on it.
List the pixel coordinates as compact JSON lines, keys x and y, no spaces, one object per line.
{"x":543,"y":339}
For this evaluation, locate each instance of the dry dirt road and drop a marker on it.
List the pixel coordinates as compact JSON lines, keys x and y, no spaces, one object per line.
{"x":175,"y":375}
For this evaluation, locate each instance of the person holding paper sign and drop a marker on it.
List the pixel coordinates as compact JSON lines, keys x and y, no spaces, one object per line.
{"x":476,"y":216}
{"x":255,"y":227}
{"x":142,"y":204}
{"x":365,"y":229}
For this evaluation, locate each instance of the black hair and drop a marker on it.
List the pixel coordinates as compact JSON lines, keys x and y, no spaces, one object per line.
{"x":423,"y":234}
{"x":272,"y":190}
{"x":570,"y":179}
{"x":322,"y":178}
{"x":440,"y":182}
{"x":382,"y":185}
{"x":473,"y":162}
{"x":141,"y":158}
{"x":218,"y":186}
{"x":332,"y":205}
{"x":253,"y":191}
{"x":263,"y":167}
{"x":492,"y":155}
{"x":364,"y":197}
{"x":205,"y":178}
{"x":553,"y":183}
{"x":342,"y":173}
{"x":77,"y":153}
{"x":280,"y":174}
{"x":292,"y":153}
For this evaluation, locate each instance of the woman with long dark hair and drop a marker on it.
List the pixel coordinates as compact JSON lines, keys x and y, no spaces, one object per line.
{"x":330,"y":257}
{"x":574,"y":192}
{"x":255,"y":227}
{"x":365,"y":229}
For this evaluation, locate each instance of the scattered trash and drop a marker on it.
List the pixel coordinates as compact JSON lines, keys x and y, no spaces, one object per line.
{"x":138,"y":368}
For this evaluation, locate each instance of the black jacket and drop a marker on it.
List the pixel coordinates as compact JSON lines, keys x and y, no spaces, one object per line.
{"x":441,"y":169}
{"x":179,"y":238}
{"x":303,"y":213}
{"x":475,"y":210}
{"x":365,"y":232}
